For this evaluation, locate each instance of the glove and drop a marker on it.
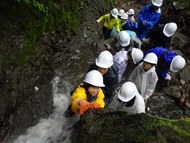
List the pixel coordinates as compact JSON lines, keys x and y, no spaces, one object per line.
{"x":146,"y":98}
{"x":168,"y":77}
{"x":95,"y":105}
{"x":98,"y":21}
{"x":84,"y":105}
{"x":144,"y":22}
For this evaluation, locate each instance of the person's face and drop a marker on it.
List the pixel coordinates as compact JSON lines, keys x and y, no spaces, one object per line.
{"x":93,"y":90}
{"x":147,"y":66}
{"x":103,"y":70}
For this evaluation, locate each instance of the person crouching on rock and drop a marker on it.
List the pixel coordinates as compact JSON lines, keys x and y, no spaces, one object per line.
{"x":89,"y":95}
{"x":128,"y":99}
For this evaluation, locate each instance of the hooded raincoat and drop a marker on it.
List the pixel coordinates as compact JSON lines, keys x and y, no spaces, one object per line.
{"x":137,"y":107}
{"x":151,"y":16}
{"x":165,"y":57}
{"x":144,"y":81}
{"x":80,"y":93}
{"x":121,"y":60}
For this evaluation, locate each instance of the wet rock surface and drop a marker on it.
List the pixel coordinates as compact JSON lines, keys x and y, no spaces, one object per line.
{"x":25,"y":91}
{"x":117,"y":126}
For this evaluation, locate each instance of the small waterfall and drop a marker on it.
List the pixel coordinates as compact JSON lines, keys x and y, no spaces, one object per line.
{"x":56,"y":128}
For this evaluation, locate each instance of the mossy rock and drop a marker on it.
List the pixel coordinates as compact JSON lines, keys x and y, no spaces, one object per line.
{"x":111,"y":126}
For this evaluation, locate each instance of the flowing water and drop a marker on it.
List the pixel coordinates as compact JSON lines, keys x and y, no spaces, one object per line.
{"x":56,"y":128}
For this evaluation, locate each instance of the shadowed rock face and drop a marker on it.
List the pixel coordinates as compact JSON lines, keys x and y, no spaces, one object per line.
{"x":103,"y":126}
{"x":21,"y":106}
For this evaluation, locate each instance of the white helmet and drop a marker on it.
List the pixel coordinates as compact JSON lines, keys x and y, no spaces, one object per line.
{"x":94,"y":78}
{"x":169,"y":29}
{"x":123,"y":38}
{"x":151,"y":58}
{"x":131,"y":11}
{"x":121,"y":11}
{"x":114,"y":12}
{"x":104,"y":60}
{"x":178,"y":62}
{"x":127,"y":91}
{"x":124,"y":16}
{"x":157,"y":3}
{"x":137,"y":55}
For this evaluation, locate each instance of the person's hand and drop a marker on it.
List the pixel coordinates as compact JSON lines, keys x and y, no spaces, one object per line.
{"x":168,"y":77}
{"x":144,"y":22}
{"x":98,"y":21}
{"x":95,"y":105}
{"x":84,"y":105}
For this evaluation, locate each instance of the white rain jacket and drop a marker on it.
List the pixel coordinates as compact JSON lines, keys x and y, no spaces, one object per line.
{"x":120,"y":60}
{"x":137,"y":107}
{"x":144,"y":81}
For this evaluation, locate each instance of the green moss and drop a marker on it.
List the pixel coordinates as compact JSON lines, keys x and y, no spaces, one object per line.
{"x":122,"y":127}
{"x":173,"y":124}
{"x":33,"y":19}
{"x":113,"y":2}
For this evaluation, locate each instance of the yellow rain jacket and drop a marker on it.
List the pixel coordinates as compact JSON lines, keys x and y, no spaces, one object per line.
{"x":110,"y":22}
{"x":121,"y":24}
{"x":80,"y":93}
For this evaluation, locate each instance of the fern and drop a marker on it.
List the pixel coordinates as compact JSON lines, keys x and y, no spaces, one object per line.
{"x":39,"y":6}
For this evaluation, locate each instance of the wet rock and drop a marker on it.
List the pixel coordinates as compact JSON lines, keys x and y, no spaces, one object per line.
{"x":173,"y":90}
{"x":181,"y":5}
{"x":184,"y":74}
{"x":187,"y":111}
{"x":186,"y":48}
{"x":99,"y":46}
{"x":106,"y":125}
{"x":40,"y":104}
{"x":1,"y":68}
{"x":164,"y":106}
{"x":179,"y":41}
{"x":182,"y":82}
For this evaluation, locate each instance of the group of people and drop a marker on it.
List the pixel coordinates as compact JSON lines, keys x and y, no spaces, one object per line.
{"x":154,"y":64}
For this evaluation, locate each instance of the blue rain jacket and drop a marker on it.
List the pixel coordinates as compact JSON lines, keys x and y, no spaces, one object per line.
{"x":163,"y":66}
{"x":130,"y":26}
{"x":151,"y":16}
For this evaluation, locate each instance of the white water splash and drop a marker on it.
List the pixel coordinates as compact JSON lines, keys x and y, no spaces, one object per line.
{"x":56,"y":128}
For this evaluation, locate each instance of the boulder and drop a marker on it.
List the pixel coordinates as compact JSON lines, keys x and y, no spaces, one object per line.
{"x":106,"y":125}
{"x":181,"y":42}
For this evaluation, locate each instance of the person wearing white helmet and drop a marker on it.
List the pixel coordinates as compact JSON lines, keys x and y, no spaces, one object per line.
{"x":144,"y":76}
{"x":120,"y":12}
{"x":89,"y":94}
{"x":148,"y":17}
{"x":161,"y":35}
{"x":122,"y":58}
{"x":111,"y":20}
{"x":104,"y":64}
{"x":123,"y":20}
{"x":128,"y":99}
{"x":131,"y":14}
{"x":128,"y":39}
{"x":167,"y":61}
